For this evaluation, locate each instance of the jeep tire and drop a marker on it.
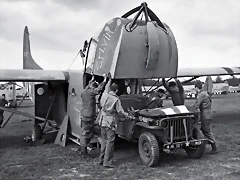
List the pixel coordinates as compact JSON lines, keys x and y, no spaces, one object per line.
{"x":197,"y":151}
{"x":148,"y":149}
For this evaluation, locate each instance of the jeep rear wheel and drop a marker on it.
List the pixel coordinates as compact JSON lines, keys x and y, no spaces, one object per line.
{"x":196,"y":152}
{"x":148,"y":149}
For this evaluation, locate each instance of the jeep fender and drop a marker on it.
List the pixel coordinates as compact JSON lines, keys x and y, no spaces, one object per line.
{"x":145,"y":125}
{"x":142,"y":127}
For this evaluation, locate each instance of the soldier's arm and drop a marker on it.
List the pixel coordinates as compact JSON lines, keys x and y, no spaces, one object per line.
{"x":199,"y":100}
{"x":120,"y":109}
{"x":105,"y":92}
{"x":100,"y":87}
{"x":107,"y":87}
{"x":165,"y":85}
{"x":90,"y":82}
{"x":179,"y":84}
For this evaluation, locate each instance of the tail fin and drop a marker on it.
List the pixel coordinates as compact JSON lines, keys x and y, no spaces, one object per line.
{"x":28,"y":61}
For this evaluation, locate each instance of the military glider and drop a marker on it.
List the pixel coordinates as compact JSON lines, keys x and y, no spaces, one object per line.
{"x":127,"y":48}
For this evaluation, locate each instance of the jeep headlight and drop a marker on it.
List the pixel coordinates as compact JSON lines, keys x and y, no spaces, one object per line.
{"x":164,"y":124}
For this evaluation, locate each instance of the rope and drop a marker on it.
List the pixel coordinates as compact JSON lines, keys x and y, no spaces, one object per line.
{"x":75,"y":58}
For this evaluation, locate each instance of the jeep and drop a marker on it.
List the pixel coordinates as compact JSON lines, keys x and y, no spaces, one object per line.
{"x":158,"y":129}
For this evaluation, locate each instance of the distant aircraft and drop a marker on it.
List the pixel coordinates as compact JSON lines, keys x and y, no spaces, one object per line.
{"x":127,"y":48}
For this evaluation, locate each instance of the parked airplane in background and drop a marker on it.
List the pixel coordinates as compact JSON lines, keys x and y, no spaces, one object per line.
{"x":7,"y":89}
{"x":127,"y":48}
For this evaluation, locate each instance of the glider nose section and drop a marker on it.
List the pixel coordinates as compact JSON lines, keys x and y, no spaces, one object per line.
{"x":145,"y":51}
{"x":109,"y":41}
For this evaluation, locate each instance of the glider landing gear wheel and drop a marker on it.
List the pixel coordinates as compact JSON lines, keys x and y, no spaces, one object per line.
{"x":36,"y":133}
{"x":148,"y":149}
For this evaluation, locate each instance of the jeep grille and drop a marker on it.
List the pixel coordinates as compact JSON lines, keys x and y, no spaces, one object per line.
{"x":178,"y":127}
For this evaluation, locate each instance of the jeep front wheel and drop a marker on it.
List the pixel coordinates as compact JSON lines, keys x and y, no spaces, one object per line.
{"x":196,"y":152}
{"x":148,"y":149}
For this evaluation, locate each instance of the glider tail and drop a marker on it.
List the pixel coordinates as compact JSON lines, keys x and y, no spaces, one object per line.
{"x":28,"y":61}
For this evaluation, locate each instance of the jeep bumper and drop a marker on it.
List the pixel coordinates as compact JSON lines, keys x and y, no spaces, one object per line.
{"x":194,"y":142}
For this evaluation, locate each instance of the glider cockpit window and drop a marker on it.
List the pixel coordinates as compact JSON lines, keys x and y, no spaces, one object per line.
{"x":89,"y":61}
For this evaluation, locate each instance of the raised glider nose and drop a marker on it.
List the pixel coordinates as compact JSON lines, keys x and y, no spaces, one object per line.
{"x":136,"y":48}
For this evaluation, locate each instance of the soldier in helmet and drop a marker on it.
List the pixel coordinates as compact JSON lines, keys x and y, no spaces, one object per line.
{"x":204,"y":103}
{"x":156,"y":97}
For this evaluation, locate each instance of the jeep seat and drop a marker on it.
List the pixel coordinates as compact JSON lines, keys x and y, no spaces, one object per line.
{"x":137,"y":101}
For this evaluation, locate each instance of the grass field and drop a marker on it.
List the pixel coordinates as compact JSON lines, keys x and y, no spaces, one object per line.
{"x":21,"y":160}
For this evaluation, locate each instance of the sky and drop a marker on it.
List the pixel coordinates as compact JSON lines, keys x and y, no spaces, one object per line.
{"x":207,"y":32}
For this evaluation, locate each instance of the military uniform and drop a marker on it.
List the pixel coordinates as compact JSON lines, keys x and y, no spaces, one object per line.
{"x":88,"y":111}
{"x":156,"y":100}
{"x":3,"y":102}
{"x":177,"y":93}
{"x":204,"y":103}
{"x":181,"y":91}
{"x":108,"y":118}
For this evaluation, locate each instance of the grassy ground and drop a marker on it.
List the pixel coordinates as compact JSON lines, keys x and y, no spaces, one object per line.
{"x":20,"y":160}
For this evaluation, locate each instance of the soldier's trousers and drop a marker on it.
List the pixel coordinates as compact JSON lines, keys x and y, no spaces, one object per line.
{"x":87,"y":123}
{"x":107,"y":146}
{"x":206,"y":129}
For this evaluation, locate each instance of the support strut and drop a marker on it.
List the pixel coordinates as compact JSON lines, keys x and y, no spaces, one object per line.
{"x":49,"y":109}
{"x":156,"y":87}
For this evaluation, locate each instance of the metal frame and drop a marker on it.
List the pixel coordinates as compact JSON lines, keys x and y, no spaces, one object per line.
{"x":149,"y":16}
{"x":45,"y":121}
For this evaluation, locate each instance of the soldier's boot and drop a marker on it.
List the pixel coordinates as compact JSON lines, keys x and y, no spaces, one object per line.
{"x":83,"y":152}
{"x":214,"y":149}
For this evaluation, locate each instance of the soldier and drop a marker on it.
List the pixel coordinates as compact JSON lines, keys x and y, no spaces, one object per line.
{"x":157,"y":94}
{"x":3,"y":102}
{"x":204,"y":103}
{"x":156,"y":97}
{"x":88,"y":111}
{"x":176,"y":91}
{"x":108,"y":118}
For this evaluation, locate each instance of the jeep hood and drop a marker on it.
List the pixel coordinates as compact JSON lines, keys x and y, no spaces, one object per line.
{"x":171,"y":111}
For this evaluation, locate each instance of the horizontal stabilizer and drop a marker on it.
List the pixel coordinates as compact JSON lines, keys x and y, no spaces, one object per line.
{"x":212,"y":71}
